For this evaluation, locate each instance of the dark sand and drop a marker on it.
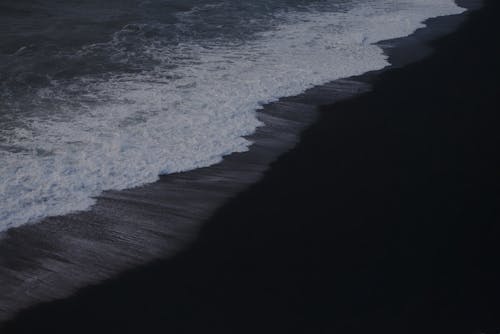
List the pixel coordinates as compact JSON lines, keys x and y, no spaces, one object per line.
{"x":384,"y":219}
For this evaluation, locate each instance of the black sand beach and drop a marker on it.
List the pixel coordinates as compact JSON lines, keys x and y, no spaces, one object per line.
{"x":383,"y":219}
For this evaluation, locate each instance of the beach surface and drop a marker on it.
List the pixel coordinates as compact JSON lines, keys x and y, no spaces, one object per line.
{"x":382,"y":219}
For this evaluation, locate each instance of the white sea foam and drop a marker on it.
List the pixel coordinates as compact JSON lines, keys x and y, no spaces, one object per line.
{"x":127,"y":129}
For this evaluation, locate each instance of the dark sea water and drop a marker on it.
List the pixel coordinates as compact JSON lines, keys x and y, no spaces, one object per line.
{"x":102,"y":96}
{"x":108,"y":95}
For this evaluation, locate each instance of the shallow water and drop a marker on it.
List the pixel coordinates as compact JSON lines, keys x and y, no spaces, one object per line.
{"x":97,"y":97}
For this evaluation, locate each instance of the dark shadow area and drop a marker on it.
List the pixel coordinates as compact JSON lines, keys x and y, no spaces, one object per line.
{"x":384,"y":219}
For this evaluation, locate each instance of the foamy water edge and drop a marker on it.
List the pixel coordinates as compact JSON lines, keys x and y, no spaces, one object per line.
{"x":64,"y":165}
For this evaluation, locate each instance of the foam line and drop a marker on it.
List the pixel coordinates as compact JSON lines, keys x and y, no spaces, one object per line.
{"x":194,"y":107}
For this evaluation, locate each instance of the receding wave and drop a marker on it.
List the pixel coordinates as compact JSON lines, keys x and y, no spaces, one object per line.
{"x":171,"y":107}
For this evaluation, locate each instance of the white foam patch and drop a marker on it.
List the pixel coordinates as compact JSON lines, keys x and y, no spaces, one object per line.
{"x":129,"y":129}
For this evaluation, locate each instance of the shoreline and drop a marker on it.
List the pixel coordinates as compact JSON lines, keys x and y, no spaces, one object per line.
{"x":314,"y":97}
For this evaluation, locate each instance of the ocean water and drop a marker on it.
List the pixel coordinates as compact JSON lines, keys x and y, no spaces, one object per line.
{"x":98,"y":95}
